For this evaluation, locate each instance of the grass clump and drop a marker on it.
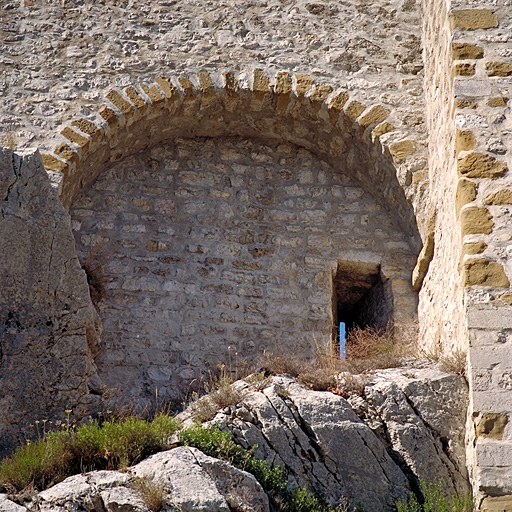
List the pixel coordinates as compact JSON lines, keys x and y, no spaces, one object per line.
{"x":220,"y":393}
{"x":435,"y":500}
{"x":152,"y":493}
{"x":112,"y":445}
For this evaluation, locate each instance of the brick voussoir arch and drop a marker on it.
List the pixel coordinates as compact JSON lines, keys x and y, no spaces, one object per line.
{"x":351,"y":136}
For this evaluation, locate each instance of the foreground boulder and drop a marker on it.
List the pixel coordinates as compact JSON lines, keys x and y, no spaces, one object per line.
{"x":393,"y":429}
{"x":184,"y":479}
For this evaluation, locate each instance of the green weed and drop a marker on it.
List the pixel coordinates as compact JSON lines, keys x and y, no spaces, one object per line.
{"x":112,"y":445}
{"x":435,"y":500}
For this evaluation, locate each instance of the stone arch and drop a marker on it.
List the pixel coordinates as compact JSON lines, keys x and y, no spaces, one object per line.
{"x":339,"y":132}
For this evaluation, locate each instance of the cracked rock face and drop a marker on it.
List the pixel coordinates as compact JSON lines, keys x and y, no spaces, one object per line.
{"x":49,"y":328}
{"x":407,"y":426}
{"x":373,"y":449}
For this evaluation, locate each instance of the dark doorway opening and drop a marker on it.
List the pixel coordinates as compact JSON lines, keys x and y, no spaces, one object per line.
{"x":361,"y":297}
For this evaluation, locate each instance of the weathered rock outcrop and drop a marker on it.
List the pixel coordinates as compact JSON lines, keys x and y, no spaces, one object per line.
{"x":186,"y":479}
{"x":49,"y":331}
{"x":406,"y":426}
{"x":372,"y":448}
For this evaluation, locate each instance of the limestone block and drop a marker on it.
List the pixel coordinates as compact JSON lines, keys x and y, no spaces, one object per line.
{"x":474,"y":220}
{"x":473,"y":19}
{"x":496,"y":504}
{"x":489,"y":318}
{"x":494,"y":454}
{"x":506,"y":298}
{"x":466,"y":193}
{"x":375,"y":114}
{"x":485,"y":273}
{"x":472,"y":88}
{"x":481,"y":165}
{"x":472,"y":248}
{"x":464,"y":69}
{"x":493,"y":400}
{"x":498,"y":101}
{"x":402,"y":149}
{"x":462,"y":51}
{"x":503,"y":196}
{"x":465,"y":103}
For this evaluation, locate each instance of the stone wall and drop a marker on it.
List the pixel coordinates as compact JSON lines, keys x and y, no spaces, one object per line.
{"x":470,"y":71}
{"x":213,"y":249}
{"x":103,"y":87}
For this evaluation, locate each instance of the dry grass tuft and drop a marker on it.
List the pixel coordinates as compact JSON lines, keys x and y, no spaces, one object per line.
{"x":93,"y":266}
{"x":152,"y":493}
{"x":450,"y":363}
{"x":220,"y":393}
{"x":370,"y":349}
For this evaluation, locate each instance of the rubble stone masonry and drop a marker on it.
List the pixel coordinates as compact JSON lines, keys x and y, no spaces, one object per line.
{"x":242,"y":174}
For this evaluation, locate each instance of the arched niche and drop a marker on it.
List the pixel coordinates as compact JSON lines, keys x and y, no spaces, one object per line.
{"x":232,"y":219}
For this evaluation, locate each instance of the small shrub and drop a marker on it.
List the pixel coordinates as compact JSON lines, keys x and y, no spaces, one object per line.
{"x":215,"y":443}
{"x":113,"y":445}
{"x":152,"y":493}
{"x":435,"y":500}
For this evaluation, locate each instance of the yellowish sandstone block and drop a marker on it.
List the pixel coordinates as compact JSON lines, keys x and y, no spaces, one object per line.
{"x":484,"y":272}
{"x":476,"y":220}
{"x":473,"y":19}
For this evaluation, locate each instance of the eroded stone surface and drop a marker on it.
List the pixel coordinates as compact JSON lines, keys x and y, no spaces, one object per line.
{"x":49,"y":330}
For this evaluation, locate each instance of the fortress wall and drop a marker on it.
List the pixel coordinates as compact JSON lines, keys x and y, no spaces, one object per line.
{"x":441,"y":313}
{"x":477,"y":39}
{"x":216,"y":247}
{"x":77,"y":81}
{"x":483,"y":90}
{"x":72,"y":52}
